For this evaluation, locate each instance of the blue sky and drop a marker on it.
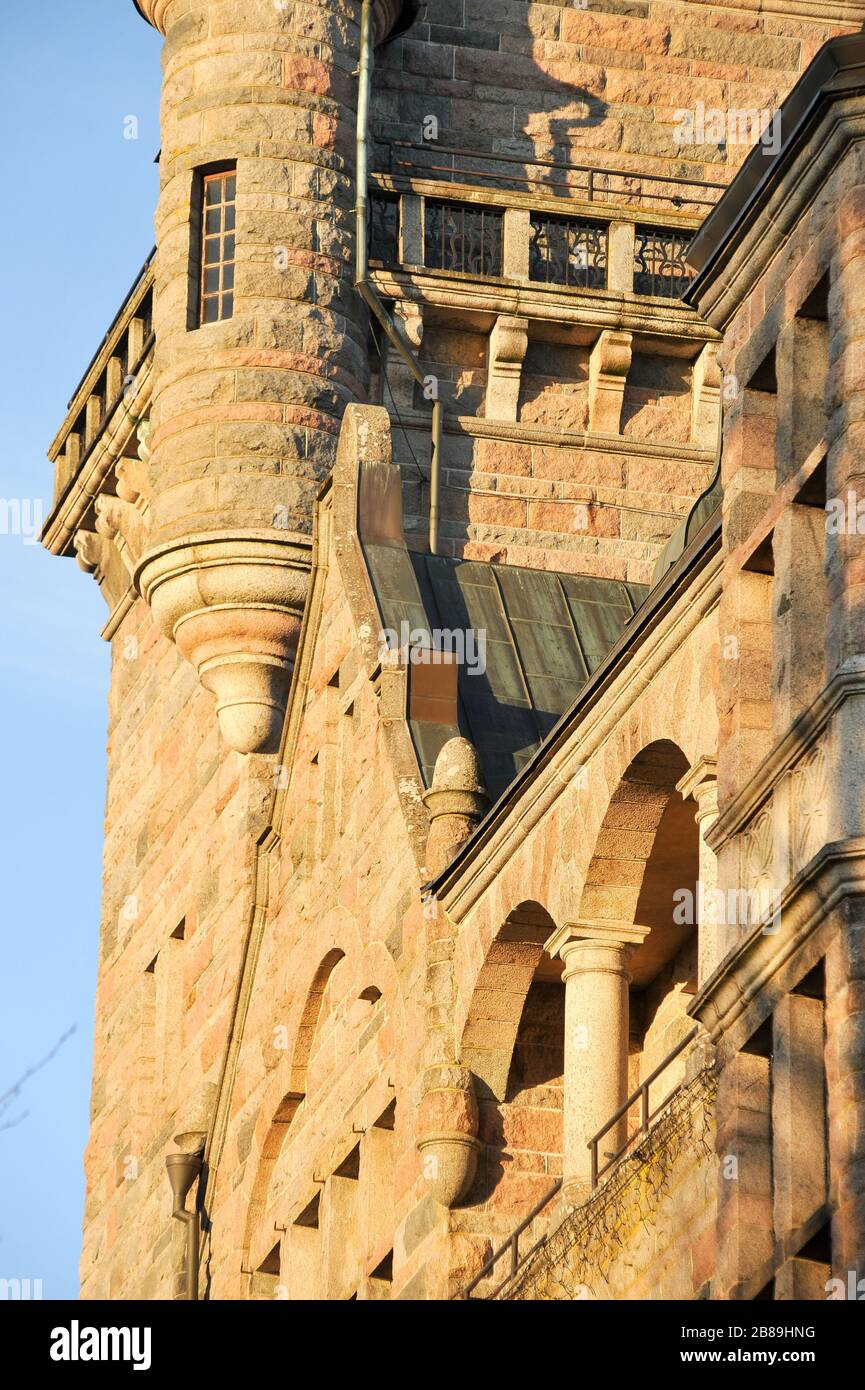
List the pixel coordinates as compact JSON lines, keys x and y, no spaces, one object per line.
{"x":77,"y":225}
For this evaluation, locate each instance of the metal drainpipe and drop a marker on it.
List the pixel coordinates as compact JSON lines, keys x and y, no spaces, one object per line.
{"x":182,"y":1170}
{"x":362,"y":281}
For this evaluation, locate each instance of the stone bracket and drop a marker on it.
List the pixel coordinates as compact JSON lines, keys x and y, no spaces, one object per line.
{"x":706,"y":397}
{"x":609,"y":363}
{"x":509,"y":341}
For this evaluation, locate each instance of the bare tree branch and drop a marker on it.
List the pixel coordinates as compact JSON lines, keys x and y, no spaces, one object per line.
{"x":7,"y":1098}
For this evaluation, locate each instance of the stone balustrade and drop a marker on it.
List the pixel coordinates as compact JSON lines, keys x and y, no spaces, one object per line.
{"x":111,"y":377}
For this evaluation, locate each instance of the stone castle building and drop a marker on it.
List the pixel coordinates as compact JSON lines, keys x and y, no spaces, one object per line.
{"x":472,"y":478}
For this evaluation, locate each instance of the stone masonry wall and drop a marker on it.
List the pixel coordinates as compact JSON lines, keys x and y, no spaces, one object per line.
{"x":649,"y":1230}
{"x":180,"y":818}
{"x":184,"y":812}
{"x":596,"y":85}
{"x":345,"y":889}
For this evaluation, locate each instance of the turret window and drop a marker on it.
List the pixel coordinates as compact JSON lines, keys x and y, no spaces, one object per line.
{"x":216,"y":296}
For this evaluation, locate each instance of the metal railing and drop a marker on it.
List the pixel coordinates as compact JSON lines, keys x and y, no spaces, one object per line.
{"x":660,"y":267}
{"x":460,"y":237}
{"x":384,"y":218}
{"x":567,"y":251}
{"x":512,"y":1246}
{"x":646,"y":1113}
{"x":463,"y":238}
{"x":597,"y":184}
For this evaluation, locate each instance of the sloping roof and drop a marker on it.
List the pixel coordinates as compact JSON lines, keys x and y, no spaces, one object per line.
{"x":532,"y":640}
{"x":671,"y":590}
{"x":707,"y":504}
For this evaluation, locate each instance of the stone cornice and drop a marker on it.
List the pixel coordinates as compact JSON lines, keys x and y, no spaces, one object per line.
{"x":690,"y":592}
{"x":835,"y":873}
{"x":591,"y":310}
{"x":770,"y":194}
{"x":71,"y":508}
{"x":846,"y":681}
{"x":586,"y":441}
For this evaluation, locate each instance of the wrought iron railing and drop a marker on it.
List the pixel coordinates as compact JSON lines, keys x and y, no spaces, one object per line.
{"x":464,"y":238}
{"x":566,"y":251}
{"x":417,"y":159}
{"x":660,"y":268}
{"x":647,"y":1115}
{"x":511,"y":1247}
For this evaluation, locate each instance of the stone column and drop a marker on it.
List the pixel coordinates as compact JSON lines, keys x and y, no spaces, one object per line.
{"x":714,"y":937}
{"x":596,"y":1040}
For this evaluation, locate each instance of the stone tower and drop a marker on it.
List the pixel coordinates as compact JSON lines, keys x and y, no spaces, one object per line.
{"x":346,"y":926}
{"x":257,"y":167}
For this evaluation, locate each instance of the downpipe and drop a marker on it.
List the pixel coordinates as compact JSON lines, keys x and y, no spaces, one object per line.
{"x":362,"y":282}
{"x":183,"y":1169}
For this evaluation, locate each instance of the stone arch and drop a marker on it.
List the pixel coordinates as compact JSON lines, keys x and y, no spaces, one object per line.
{"x":646,"y":850}
{"x":513,"y":1043}
{"x":288,"y":1087}
{"x":309,"y":1019}
{"x":615,"y":885}
{"x":293,"y":1088}
{"x":499,"y":995}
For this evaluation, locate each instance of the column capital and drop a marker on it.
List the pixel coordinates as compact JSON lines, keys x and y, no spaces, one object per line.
{"x":701,"y":782}
{"x":599,"y":933}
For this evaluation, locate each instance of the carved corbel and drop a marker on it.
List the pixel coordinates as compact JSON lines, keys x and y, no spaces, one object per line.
{"x":133,"y":474}
{"x":448,"y":1133}
{"x":706,"y":397}
{"x":509,"y":341}
{"x":91,"y":553}
{"x":608,"y":372}
{"x":97,"y":555}
{"x":122,"y":524}
{"x":122,"y":520}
